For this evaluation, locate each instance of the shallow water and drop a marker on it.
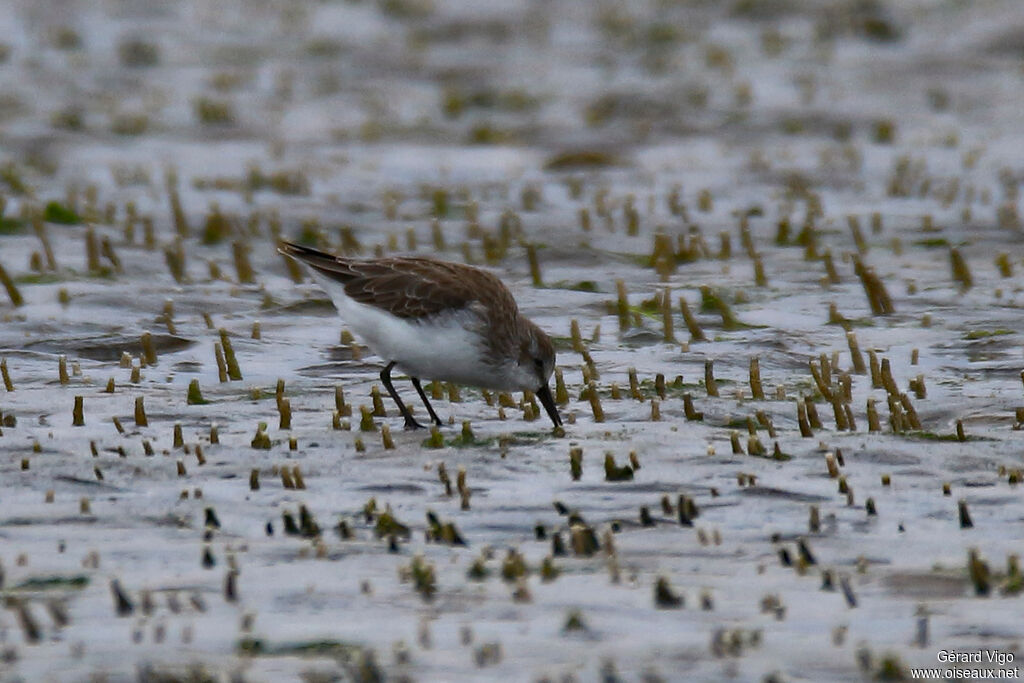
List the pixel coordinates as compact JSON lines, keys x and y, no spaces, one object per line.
{"x":352,"y":123}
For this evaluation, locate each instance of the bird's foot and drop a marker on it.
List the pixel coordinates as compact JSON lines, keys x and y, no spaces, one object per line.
{"x":411,"y":424}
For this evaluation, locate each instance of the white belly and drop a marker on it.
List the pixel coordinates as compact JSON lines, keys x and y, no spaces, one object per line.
{"x":446,"y":348}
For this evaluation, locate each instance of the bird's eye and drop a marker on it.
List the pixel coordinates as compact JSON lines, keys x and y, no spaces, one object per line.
{"x":538,"y":363}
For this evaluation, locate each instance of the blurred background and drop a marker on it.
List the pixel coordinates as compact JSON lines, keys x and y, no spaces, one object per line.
{"x":677,"y":188}
{"x":333,"y":101}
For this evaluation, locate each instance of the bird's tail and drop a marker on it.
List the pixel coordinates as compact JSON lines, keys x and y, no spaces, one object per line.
{"x":333,"y":266}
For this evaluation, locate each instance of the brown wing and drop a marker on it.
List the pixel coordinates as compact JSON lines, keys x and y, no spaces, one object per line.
{"x":408,"y":287}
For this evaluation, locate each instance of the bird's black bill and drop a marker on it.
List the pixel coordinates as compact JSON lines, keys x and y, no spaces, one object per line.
{"x":544,"y":394}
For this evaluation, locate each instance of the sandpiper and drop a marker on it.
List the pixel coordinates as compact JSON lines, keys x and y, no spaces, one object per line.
{"x":436,"y":320}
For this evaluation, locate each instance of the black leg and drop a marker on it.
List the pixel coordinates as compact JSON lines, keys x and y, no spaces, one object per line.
{"x":385,"y":377}
{"x":430,"y":408}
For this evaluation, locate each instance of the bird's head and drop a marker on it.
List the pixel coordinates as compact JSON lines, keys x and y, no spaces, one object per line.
{"x":535,"y":364}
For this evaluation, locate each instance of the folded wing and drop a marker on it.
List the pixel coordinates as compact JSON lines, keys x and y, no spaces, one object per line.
{"x":407,"y":287}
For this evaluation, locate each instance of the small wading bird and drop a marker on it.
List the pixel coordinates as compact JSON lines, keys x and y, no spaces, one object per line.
{"x":436,"y":320}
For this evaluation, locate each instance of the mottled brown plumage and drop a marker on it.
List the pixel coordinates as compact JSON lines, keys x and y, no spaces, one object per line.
{"x":418,"y":288}
{"x":426,"y":292}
